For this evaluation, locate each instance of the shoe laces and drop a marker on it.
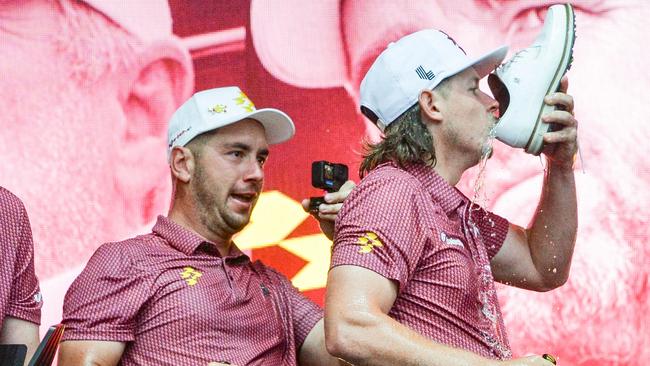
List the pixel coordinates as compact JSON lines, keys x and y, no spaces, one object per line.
{"x":515,"y":57}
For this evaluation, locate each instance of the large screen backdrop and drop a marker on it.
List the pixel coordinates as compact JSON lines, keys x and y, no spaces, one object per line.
{"x":307,"y":59}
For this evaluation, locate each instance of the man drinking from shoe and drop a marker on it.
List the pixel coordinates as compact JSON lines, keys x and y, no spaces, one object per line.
{"x":414,"y":261}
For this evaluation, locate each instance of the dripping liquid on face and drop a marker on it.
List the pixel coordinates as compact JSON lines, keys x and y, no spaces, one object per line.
{"x":479,"y":197}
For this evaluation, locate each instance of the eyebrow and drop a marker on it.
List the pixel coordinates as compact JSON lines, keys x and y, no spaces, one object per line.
{"x":247,"y":148}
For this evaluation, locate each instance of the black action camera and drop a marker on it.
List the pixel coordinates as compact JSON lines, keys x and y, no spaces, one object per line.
{"x":327,"y":176}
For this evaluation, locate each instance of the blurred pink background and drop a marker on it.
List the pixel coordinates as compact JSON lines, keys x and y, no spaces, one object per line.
{"x":88,"y":159}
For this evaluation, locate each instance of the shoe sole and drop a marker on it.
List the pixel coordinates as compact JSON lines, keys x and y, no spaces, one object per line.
{"x":536,"y":142}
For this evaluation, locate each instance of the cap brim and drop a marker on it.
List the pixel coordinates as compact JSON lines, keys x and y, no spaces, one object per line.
{"x":490,"y":61}
{"x":484,"y":64}
{"x":278,"y":125}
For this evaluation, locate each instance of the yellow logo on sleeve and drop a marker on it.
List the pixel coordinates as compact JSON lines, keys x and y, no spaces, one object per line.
{"x":368,"y":242}
{"x":191,"y":275}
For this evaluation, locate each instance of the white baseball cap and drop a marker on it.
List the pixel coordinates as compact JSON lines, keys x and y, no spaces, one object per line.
{"x":214,"y":108}
{"x":147,"y":19}
{"x":416,"y":62}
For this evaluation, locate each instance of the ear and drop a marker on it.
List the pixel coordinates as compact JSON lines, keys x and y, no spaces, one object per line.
{"x":430,"y":105}
{"x":149,"y":93}
{"x":182,"y":164}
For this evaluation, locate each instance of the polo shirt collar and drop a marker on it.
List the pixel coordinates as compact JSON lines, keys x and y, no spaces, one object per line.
{"x":448,"y":196}
{"x":184,"y":240}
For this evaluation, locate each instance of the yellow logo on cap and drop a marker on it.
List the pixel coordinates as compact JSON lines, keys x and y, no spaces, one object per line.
{"x":243,"y":101}
{"x":191,"y":275}
{"x":219,"y":108}
{"x":368,"y":242}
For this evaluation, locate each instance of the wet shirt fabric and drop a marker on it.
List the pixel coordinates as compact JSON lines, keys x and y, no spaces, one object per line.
{"x":175,"y":301}
{"x":20,"y":295}
{"x":410,"y":226}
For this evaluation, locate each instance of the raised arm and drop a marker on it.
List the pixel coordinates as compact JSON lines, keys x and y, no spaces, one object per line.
{"x":539,"y":258}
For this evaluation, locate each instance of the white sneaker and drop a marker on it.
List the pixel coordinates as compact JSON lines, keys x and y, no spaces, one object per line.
{"x":521,"y":84}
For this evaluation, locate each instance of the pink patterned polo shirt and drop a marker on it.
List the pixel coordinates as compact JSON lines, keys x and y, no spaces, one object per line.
{"x":175,"y":301}
{"x":20,"y":296}
{"x":410,"y":226}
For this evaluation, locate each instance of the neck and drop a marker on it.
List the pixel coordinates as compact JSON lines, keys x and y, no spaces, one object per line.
{"x":188,"y":217}
{"x":450,"y":166}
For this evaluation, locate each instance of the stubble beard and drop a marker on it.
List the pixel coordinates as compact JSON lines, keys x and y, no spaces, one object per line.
{"x":215,"y":215}
{"x":487,"y":150}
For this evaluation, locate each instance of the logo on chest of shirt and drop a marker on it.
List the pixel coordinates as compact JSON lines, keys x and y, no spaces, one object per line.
{"x":191,"y":275}
{"x":368,"y":242}
{"x":450,"y":240}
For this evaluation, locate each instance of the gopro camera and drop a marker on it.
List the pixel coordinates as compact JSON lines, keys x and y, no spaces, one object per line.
{"x":327,"y":176}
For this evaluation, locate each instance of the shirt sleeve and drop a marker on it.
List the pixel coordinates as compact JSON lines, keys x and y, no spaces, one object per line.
{"x":103,"y":302}
{"x":25,"y":299}
{"x":305,"y":313}
{"x":381,"y":227}
{"x":493,"y":230}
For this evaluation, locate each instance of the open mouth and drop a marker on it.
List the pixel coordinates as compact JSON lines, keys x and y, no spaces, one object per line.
{"x":244,"y":198}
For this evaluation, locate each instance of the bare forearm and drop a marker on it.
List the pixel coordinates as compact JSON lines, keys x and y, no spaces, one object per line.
{"x":18,"y":331}
{"x":552,"y":234}
{"x":90,"y":353}
{"x":376,"y":339}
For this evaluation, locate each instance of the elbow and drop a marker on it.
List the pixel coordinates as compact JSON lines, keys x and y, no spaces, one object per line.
{"x":336,"y":345}
{"x":552,"y":282}
{"x":559,"y":281}
{"x":339,"y":341}
{"x":345,"y":336}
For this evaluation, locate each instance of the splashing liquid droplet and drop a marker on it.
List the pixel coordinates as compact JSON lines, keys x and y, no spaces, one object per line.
{"x":479,"y":198}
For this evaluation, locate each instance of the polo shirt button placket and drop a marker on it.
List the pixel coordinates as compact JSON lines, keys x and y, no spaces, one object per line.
{"x":227,"y":274}
{"x":230,"y":278}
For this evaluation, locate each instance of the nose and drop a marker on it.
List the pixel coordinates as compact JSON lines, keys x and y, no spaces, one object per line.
{"x":491,"y":104}
{"x":254,"y":171}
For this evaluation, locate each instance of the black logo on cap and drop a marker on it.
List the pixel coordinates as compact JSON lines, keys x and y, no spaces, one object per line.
{"x":424,"y":75}
{"x":454,"y":41}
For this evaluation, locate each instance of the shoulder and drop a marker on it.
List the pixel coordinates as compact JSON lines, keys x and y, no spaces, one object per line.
{"x":390,"y":176}
{"x":11,"y":205}
{"x":388,"y":180}
{"x":382,"y":188}
{"x":15,"y":229}
{"x":117,"y":256}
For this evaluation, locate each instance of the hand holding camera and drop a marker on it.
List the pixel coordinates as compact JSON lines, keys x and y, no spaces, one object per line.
{"x":333,"y":178}
{"x":327,"y":176}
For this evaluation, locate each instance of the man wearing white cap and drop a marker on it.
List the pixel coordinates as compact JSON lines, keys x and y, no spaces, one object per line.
{"x":184,"y":294}
{"x":414,"y":261}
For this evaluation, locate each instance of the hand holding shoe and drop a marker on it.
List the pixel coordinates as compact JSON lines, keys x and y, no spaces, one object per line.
{"x":561,"y":144}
